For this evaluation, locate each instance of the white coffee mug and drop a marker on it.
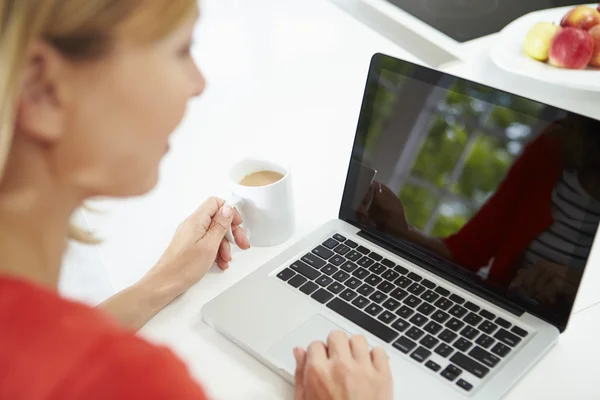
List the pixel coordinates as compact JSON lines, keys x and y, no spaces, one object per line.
{"x":267,"y":211}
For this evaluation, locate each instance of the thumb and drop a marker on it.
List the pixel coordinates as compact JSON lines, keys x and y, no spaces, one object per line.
{"x":300,"y":356}
{"x":220,"y":224}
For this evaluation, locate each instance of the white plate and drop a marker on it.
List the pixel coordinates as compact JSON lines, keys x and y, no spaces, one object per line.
{"x":508,"y":54}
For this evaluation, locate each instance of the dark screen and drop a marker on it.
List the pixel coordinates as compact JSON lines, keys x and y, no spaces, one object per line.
{"x":501,"y":190}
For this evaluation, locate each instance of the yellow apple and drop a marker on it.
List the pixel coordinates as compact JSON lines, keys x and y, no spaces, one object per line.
{"x":539,"y":39}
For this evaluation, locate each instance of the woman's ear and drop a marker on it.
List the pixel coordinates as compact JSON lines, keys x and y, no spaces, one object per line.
{"x":41,"y":106}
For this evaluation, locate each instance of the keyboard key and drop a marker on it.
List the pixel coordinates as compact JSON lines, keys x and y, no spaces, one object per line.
{"x":403,"y":282}
{"x":484,"y":341}
{"x":353,"y":283}
{"x":416,"y":289}
{"x":297,"y":281}
{"x":375,"y":256}
{"x":412,"y":301}
{"x":322,"y":296}
{"x":329,"y":269}
{"x":349,"y":266}
{"x":469,"y":332}
{"x":324,"y":280}
{"x":313,"y":261}
{"x":286,"y":274}
{"x":366,"y":290}
{"x":404,"y":344}
{"x":429,"y":341}
{"x":430,"y":296}
{"x":443,"y":304}
{"x":335,"y":287}
{"x":472,"y":307}
{"x":415,"y":333}
{"x":440,"y":316}
{"x":418,"y":320}
{"x":391,"y":304}
{"x":441,"y":291}
{"x":444,"y":350}
{"x":348,"y":295}
{"x":415,"y":277}
{"x":484,"y":357}
{"x":433,"y":327}
{"x":507,"y":338}
{"x":342,"y":249}
{"x":400,"y":325}
{"x":388,"y":263}
{"x":373,"y":280}
{"x":464,"y":384}
{"x":501,"y":350}
{"x":457,"y":299}
{"x":451,"y":372}
{"x":361,"y":302}
{"x":399,"y":294}
{"x":462,"y":344}
{"x":361,"y":273}
{"x":305,"y":270}
{"x":386,"y":317}
{"x":337,"y":260}
{"x":373,"y":309}
{"x":519,"y":331}
{"x":421,"y":354}
{"x":487,"y":315}
{"x":400,"y":269}
{"x":371,"y":325}
{"x":488,"y":327}
{"x":363,"y":250}
{"x":378,"y":297}
{"x":432,"y":366}
{"x":390,"y":275}
{"x":448,"y":336}
{"x":351,"y":244}
{"x":354,"y":256}
{"x":458,"y":311}
{"x":428,"y":284}
{"x":331,"y":243}
{"x":405,"y":312}
{"x":386,"y":286}
{"x":469,"y":365}
{"x":341,"y":276}
{"x":365,"y":262}
{"x":455,"y":324}
{"x":322,"y":252}
{"x":377,"y":269}
{"x":473,"y":319}
{"x":426,"y":309}
{"x":339,"y":237}
{"x":309,"y":287}
{"x":503,"y":323}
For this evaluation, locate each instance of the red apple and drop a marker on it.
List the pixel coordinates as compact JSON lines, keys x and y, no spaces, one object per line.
{"x":582,"y":17}
{"x":595,"y":33}
{"x":571,"y":48}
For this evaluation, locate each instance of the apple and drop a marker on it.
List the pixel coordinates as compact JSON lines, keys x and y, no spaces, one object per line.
{"x":595,"y":33}
{"x":582,"y":17}
{"x":539,"y":39}
{"x":571,"y":48}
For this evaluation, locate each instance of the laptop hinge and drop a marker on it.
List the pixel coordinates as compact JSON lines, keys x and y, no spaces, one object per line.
{"x":446,"y":275}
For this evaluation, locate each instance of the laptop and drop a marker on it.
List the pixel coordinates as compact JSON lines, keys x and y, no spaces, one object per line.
{"x":464,"y":276}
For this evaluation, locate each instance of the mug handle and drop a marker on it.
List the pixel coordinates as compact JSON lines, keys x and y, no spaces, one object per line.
{"x":236,"y":203}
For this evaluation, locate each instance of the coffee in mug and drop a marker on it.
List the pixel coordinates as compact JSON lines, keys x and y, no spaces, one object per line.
{"x":261,"y":178}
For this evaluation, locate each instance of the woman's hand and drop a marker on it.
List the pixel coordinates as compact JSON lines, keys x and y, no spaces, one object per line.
{"x":345,"y":369}
{"x":198,"y":243}
{"x":383,"y":210}
{"x":544,"y":281}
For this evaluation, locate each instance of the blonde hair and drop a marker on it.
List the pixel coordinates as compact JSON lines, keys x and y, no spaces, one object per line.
{"x":79,"y":30}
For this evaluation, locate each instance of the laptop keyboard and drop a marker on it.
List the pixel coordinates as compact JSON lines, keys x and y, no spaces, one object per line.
{"x":457,"y":339}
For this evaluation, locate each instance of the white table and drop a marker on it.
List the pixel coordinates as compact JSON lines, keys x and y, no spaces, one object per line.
{"x":284,"y":77}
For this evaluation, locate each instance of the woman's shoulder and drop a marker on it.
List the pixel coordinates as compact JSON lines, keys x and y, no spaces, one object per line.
{"x":56,"y":348}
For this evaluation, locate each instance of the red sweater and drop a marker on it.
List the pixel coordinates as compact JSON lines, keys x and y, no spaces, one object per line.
{"x":52,"y":349}
{"x":514,"y":216}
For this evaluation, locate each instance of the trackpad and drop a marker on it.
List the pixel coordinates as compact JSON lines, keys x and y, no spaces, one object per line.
{"x":316,"y":328}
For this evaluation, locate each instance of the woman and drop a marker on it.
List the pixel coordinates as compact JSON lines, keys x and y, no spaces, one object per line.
{"x":90,"y":93}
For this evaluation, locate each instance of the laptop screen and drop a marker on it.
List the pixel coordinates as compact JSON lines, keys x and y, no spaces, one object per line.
{"x":496,"y":189}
